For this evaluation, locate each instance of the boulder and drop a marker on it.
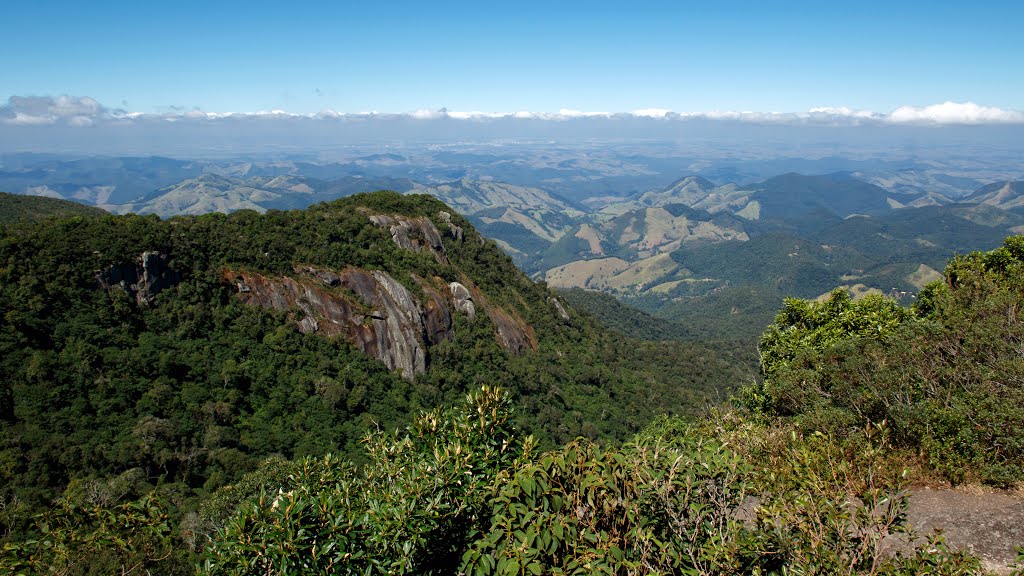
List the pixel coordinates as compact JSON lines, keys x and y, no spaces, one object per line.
{"x":462,"y":298}
{"x":454,"y":231}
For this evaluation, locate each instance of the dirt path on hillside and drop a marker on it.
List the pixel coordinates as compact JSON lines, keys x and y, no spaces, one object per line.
{"x":987,"y":523}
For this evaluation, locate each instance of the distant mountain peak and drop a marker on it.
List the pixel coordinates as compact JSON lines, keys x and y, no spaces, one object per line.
{"x":793,"y":194}
{"x":1006,"y":194}
{"x":692,"y":180}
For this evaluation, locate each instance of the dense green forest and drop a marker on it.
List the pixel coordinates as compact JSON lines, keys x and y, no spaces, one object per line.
{"x":106,"y":390}
{"x":624,"y":319}
{"x":158,"y":432}
{"x":15,"y":208}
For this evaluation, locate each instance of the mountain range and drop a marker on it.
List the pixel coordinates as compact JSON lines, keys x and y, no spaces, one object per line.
{"x":677,"y":250}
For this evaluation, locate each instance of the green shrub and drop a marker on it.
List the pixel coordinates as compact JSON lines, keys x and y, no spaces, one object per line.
{"x":945,"y":375}
{"x":77,"y":538}
{"x":411,"y":510}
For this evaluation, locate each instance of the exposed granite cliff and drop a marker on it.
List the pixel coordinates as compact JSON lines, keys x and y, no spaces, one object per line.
{"x":512,"y":332}
{"x":142,"y":279}
{"x":418,"y":233}
{"x":559,"y":309}
{"x":377,"y":314}
{"x":374,"y":311}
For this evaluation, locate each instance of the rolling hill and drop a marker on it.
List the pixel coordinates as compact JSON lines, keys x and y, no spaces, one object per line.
{"x":18,"y":208}
{"x":1007,"y":195}
{"x":524,"y":220}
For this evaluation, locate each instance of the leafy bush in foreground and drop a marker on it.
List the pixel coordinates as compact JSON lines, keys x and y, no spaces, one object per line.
{"x":945,"y":376}
{"x":460,"y":494}
{"x":416,"y":505}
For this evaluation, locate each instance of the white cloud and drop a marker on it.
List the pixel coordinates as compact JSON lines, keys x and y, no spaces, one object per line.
{"x":80,"y":121}
{"x":955,"y":113}
{"x":63,"y":106}
{"x":22,"y":119}
{"x":425,"y":114}
{"x":568,"y":113}
{"x":477,"y":115}
{"x":652,"y":112}
{"x":36,"y":110}
{"x":277,"y":112}
{"x":85,"y":111}
{"x":843,"y":112}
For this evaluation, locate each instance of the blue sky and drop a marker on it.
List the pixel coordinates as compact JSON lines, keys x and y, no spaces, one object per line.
{"x":304,"y":57}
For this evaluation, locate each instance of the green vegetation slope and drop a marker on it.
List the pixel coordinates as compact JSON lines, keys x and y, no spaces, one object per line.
{"x":16,"y":208}
{"x":177,"y":355}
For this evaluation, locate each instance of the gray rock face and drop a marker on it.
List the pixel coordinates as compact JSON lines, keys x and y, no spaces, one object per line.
{"x":142,"y":279}
{"x":462,"y":299}
{"x":400,"y":332}
{"x":987,"y":524}
{"x":383,"y":319}
{"x":437,"y":317}
{"x":513,"y":334}
{"x":418,"y":234}
{"x":559,"y":309}
{"x":455,"y":231}
{"x":388,"y":323}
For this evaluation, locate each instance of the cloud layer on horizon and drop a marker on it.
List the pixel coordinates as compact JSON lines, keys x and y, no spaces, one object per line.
{"x":85,"y":111}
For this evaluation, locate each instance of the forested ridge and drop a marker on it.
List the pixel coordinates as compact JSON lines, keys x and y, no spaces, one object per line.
{"x":114,"y":389}
{"x":165,"y":422}
{"x":15,"y":208}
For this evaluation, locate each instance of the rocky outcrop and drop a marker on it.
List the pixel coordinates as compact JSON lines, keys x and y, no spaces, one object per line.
{"x":384,"y":320}
{"x":453,"y":230}
{"x":463,"y":299}
{"x":418,"y":234}
{"x":376,"y":313}
{"x":511,"y":331}
{"x":398,"y":320}
{"x":320,"y":310}
{"x":437,"y":317}
{"x":513,"y":334}
{"x":142,"y":279}
{"x":559,"y":309}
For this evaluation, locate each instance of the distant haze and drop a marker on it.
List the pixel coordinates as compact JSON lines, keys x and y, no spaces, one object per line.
{"x":82,"y":125}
